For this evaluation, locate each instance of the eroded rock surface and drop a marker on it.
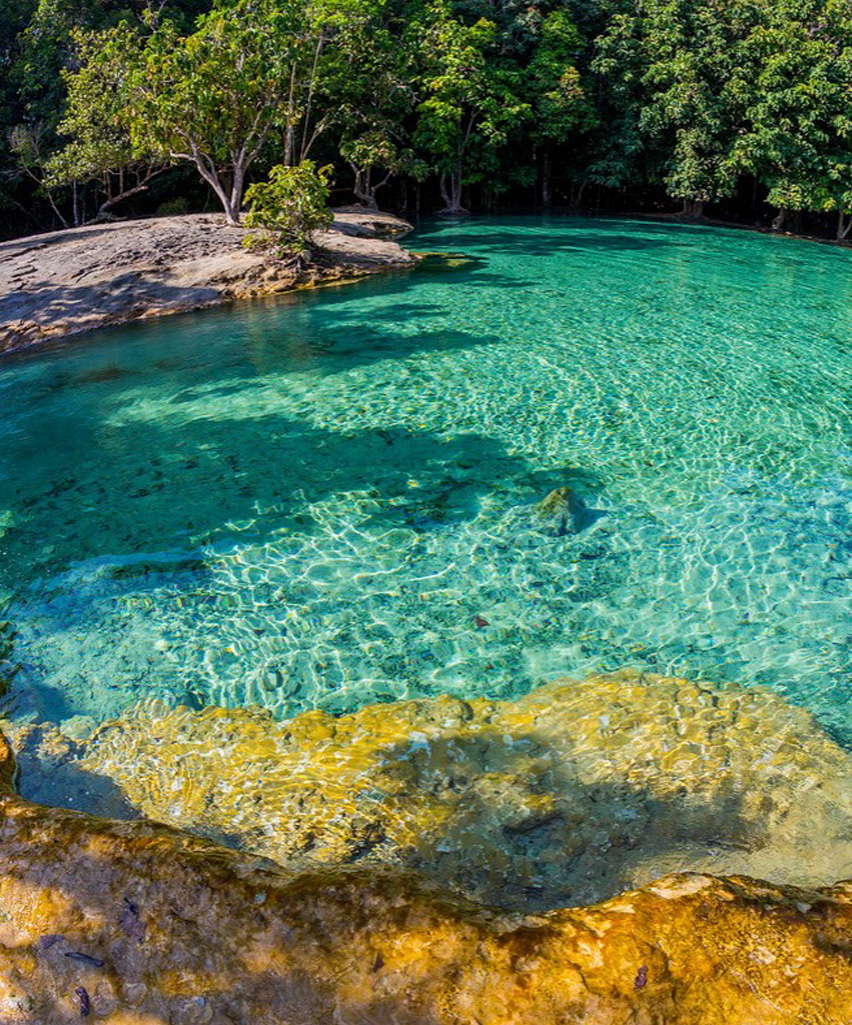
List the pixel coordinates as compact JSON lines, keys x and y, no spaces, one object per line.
{"x":167,"y":931}
{"x":140,"y":924}
{"x":566,"y":796}
{"x":71,"y":281}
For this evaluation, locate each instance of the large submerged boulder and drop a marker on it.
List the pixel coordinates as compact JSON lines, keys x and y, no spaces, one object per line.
{"x":568,"y":795}
{"x":133,"y":923}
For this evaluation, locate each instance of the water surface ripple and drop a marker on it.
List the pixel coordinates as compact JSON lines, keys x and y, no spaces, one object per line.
{"x":329,"y":499}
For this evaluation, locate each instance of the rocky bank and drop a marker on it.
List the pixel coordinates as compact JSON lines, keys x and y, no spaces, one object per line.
{"x":70,"y":281}
{"x":134,"y":924}
{"x":424,"y":852}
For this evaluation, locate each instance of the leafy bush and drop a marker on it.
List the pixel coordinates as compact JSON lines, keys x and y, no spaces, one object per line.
{"x":288,"y":209}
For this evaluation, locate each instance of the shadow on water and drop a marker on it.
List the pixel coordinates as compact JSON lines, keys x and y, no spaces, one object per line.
{"x":63,"y":783}
{"x":246,"y":477}
{"x":521,"y":831}
{"x":549,"y":239}
{"x":214,"y":450}
{"x":353,"y":342}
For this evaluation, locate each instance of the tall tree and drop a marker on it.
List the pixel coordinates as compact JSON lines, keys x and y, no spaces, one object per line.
{"x":471,"y":101}
{"x":695,"y":85}
{"x":797,"y":137}
{"x":214,"y":97}
{"x":558,"y":98}
{"x":101,"y":148}
{"x":371,"y":87}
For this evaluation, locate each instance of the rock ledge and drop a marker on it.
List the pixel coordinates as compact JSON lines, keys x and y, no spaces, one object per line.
{"x":141,"y":924}
{"x":71,"y":281}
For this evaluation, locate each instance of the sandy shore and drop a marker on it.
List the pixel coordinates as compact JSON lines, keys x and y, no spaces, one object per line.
{"x":70,"y":281}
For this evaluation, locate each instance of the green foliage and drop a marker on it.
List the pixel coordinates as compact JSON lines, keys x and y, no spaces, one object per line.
{"x":370,"y":82}
{"x":797,"y":131}
{"x":558,"y":95}
{"x":683,"y":71}
{"x":97,"y":120}
{"x":471,"y":101}
{"x":689,"y":98}
{"x":213,"y":97}
{"x":173,"y":207}
{"x":95,"y":102}
{"x":288,"y":209}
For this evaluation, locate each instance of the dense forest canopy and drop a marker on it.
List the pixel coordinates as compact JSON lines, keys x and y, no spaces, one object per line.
{"x":742,"y":108}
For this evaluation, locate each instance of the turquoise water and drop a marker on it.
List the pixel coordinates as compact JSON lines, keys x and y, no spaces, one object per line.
{"x":329,"y":499}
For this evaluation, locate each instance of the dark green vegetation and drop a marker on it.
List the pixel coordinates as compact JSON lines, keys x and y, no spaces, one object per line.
{"x":138,"y":106}
{"x":288,"y":208}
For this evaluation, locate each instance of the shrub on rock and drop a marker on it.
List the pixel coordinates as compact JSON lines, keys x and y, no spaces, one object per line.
{"x":288,"y":209}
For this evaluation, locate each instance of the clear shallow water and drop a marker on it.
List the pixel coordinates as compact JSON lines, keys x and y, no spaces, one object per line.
{"x":329,"y":499}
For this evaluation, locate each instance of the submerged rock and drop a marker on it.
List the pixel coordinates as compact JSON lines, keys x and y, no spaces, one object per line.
{"x":144,"y":925}
{"x":567,"y":795}
{"x":563,"y":511}
{"x":167,"y":929}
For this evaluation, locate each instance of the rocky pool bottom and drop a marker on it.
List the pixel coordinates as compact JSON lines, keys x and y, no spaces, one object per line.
{"x":434,"y":861}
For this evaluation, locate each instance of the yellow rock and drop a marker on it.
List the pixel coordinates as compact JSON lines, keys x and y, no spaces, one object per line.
{"x":170,"y":929}
{"x":191,"y":933}
{"x":568,"y":795}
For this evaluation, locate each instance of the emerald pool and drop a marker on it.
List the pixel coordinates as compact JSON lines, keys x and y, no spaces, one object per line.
{"x":328,"y":499}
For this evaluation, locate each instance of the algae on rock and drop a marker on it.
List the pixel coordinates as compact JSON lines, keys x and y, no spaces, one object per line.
{"x":168,"y":929}
{"x":568,"y":795}
{"x":156,"y":927}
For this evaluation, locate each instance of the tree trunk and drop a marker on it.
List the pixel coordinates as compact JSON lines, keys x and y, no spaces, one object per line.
{"x":290,"y":131}
{"x":111,"y":201}
{"x":364,"y":192}
{"x":844,"y":223}
{"x":577,"y":190}
{"x":232,"y":213}
{"x":693,"y":209}
{"x":238,"y":185}
{"x":546,"y":170}
{"x":788,"y":220}
{"x":451,"y":190}
{"x":303,"y":153}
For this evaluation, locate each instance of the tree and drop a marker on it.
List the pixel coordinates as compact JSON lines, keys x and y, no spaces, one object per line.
{"x":797,"y":137}
{"x":470,"y":100}
{"x":27,"y":144}
{"x":214,"y":97}
{"x":101,"y":148}
{"x":694,"y":87}
{"x":370,"y":87}
{"x":618,"y":152}
{"x":377,"y":152}
{"x":558,"y":99}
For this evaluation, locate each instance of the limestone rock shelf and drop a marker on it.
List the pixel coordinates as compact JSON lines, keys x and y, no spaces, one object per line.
{"x":168,"y":930}
{"x":70,"y":281}
{"x":142,"y":924}
{"x":568,"y":795}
